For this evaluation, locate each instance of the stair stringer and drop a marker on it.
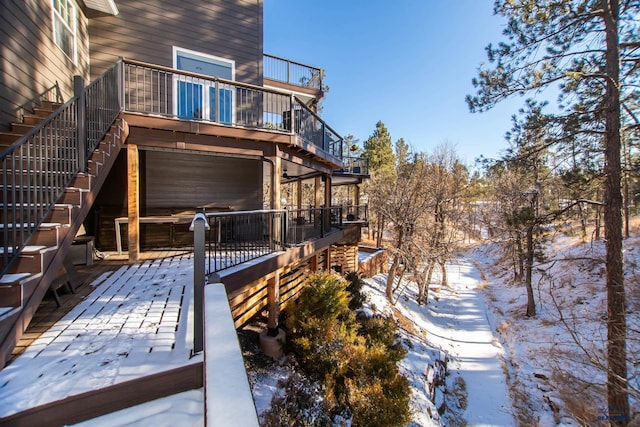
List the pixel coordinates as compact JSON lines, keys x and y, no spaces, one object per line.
{"x":116,"y":136}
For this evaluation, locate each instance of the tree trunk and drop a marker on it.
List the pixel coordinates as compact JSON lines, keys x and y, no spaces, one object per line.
{"x":617,"y":393}
{"x":380,"y":230}
{"x":583,"y":222}
{"x":531,"y":303}
{"x":390,"y":278}
{"x":443,"y":267}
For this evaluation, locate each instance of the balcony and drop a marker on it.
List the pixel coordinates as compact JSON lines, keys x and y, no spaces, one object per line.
{"x":160,"y":91}
{"x":353,"y":171}
{"x":304,"y":80}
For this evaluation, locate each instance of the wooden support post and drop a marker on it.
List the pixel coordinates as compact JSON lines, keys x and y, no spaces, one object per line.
{"x":299,"y":194}
{"x":273,"y":302}
{"x":356,"y":195}
{"x":314,"y":263}
{"x":318,"y":193}
{"x":327,"y":190}
{"x":133,"y":202}
{"x":276,"y":177}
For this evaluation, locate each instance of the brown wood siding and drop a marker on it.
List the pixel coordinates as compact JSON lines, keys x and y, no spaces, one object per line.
{"x":173,"y":182}
{"x":146,"y":30}
{"x":30,"y":61}
{"x":179,"y":180}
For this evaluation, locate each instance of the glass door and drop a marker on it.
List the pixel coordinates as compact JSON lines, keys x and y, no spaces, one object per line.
{"x":198,"y":99}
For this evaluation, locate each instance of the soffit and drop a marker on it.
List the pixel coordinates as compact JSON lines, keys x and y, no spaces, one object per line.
{"x":105,"y":6}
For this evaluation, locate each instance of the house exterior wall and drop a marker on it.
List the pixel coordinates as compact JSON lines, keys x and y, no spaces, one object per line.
{"x":173,"y":182}
{"x":30,"y":61}
{"x":147,"y":30}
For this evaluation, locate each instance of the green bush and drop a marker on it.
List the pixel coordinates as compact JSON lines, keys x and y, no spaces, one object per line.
{"x":354,"y":359}
{"x":300,"y":404}
{"x":355,"y":290}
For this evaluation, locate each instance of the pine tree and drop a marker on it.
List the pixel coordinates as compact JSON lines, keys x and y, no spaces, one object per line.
{"x":589,"y":49}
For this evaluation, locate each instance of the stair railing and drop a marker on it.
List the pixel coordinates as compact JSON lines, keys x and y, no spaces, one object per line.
{"x":38,"y":168}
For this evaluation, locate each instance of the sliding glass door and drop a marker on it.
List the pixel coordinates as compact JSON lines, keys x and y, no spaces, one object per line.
{"x":201,"y":99}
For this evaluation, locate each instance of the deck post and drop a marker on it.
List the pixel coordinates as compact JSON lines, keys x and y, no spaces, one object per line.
{"x":81,"y":121}
{"x":273,"y":303}
{"x":133,"y":203}
{"x":199,"y":225}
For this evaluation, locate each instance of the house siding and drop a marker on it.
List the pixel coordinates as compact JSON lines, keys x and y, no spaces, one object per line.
{"x":173,"y":182}
{"x":147,"y":30}
{"x":30,"y":61}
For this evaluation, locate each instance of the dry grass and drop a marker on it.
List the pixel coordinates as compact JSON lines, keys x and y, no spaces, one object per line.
{"x":405,"y":323}
{"x":482,"y":286}
{"x":581,"y":406}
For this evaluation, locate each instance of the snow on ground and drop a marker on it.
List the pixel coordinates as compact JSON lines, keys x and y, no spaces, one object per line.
{"x":553,"y":380}
{"x":455,"y":322}
{"x":452,"y":327}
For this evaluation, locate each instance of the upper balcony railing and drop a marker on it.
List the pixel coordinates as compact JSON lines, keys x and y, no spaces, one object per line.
{"x":355,"y":165}
{"x":291,"y":72}
{"x":153,"y":89}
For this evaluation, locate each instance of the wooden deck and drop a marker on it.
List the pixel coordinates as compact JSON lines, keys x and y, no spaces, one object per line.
{"x":49,"y":313}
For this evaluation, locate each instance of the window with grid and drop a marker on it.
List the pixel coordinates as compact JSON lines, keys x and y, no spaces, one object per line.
{"x":64,"y":27}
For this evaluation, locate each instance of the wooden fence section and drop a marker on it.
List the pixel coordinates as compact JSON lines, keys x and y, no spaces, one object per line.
{"x":291,"y":282}
{"x":344,"y":258}
{"x":84,"y":406}
{"x":377,"y":262}
{"x":249,"y":300}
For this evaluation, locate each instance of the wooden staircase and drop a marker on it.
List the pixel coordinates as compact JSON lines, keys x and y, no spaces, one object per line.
{"x":30,"y":275}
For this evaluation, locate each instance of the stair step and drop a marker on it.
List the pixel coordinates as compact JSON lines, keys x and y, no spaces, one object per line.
{"x":32,"y":260}
{"x":94,"y":167}
{"x":8,"y":138}
{"x":73,"y":196}
{"x":42,"y":112}
{"x":31,"y":119}
{"x":21,"y":128}
{"x":83,"y":180}
{"x":15,"y":288}
{"x":48,"y":234}
{"x":61,"y":213}
{"x":50,"y":105}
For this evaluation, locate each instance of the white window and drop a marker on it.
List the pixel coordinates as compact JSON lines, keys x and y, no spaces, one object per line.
{"x":197,"y":98}
{"x":64,"y":27}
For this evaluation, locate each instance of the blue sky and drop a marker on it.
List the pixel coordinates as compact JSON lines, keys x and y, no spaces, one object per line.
{"x":408,"y":63}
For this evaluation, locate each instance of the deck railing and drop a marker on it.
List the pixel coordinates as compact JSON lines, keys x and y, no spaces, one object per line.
{"x":234,"y":238}
{"x":355,"y":213}
{"x":37,"y":168}
{"x":355,"y":165}
{"x":291,"y":72}
{"x":153,"y":89}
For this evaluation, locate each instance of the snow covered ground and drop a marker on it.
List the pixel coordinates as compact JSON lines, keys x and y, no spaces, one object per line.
{"x":452,"y":327}
{"x":556,"y":359}
{"x":455,"y":322}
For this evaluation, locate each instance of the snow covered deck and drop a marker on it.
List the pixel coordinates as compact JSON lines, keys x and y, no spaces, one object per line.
{"x":136,"y":323}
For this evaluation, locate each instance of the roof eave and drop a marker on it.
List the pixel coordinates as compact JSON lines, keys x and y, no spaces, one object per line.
{"x":105,"y":6}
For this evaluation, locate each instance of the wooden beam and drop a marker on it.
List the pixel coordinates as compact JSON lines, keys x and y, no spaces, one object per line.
{"x":276,"y":177}
{"x":133,"y":202}
{"x":274,"y":302}
{"x":317,"y":193}
{"x":327,"y":190}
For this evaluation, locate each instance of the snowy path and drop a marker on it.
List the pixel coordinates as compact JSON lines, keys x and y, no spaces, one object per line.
{"x":459,"y":325}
